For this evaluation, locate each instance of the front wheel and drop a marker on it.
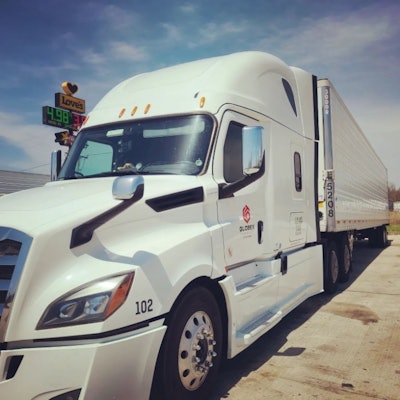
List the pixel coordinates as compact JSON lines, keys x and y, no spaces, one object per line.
{"x":191,"y":352}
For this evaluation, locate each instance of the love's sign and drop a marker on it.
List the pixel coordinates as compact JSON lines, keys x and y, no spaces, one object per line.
{"x":69,"y":88}
{"x":67,"y":101}
{"x":70,"y":103}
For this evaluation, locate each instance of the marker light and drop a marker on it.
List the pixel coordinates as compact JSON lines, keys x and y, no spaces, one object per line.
{"x":121,"y":113}
{"x":133,"y":112}
{"x":91,"y":303}
{"x":147,"y":109}
{"x":202,"y":101}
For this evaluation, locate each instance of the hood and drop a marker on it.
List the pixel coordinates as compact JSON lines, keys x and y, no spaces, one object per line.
{"x":64,"y":202}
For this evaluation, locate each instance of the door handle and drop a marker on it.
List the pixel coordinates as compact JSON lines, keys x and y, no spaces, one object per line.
{"x":260,"y":228}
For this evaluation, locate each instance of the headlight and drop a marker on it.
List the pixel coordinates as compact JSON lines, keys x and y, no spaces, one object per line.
{"x":91,"y":303}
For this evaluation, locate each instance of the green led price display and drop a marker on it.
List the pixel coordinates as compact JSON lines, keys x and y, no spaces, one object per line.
{"x":61,"y":118}
{"x":56,"y":117}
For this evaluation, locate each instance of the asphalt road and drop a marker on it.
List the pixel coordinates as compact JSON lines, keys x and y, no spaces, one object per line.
{"x":342,"y":346}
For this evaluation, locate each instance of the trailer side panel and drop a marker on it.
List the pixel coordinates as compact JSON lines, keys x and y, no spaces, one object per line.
{"x":352,"y":179}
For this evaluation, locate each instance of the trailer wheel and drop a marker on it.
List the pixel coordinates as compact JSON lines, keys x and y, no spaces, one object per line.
{"x":191,"y":352}
{"x":381,"y":238}
{"x":332,"y":268}
{"x":344,"y":255}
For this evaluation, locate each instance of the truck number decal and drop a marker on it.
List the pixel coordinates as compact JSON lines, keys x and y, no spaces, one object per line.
{"x":144,"y":306}
{"x":329,"y":196}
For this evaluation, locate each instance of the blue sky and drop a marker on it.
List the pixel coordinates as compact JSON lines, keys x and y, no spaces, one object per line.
{"x":96,"y":44}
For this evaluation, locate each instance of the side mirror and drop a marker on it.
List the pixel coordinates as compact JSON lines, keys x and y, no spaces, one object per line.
{"x":55,"y":164}
{"x":252,"y":156}
{"x":125,"y":187}
{"x":253,"y":161}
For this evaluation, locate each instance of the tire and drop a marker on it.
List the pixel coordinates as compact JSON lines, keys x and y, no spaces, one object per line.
{"x":191,"y":352}
{"x":378,"y":238}
{"x":332,"y":268}
{"x":381,"y":237}
{"x":345,"y":259}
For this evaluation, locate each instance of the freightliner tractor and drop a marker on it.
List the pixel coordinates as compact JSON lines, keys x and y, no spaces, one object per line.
{"x":198,"y":205}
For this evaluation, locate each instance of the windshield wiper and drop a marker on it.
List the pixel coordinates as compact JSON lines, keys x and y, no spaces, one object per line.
{"x":102,"y":174}
{"x":115,"y":173}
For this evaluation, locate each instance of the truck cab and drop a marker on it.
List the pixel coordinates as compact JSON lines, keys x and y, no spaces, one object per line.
{"x":182,"y":226}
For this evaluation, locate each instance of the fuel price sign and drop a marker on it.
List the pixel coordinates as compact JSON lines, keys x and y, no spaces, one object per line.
{"x":56,"y":117}
{"x":61,"y":118}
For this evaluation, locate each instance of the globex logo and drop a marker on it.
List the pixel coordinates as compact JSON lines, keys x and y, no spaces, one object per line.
{"x":246,"y":214}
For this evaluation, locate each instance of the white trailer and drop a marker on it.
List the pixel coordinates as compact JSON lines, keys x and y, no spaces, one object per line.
{"x":184,"y":224}
{"x":352,"y":183}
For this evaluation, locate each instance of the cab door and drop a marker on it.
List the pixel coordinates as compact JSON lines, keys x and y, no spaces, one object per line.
{"x":241,"y":214}
{"x":242,"y":217}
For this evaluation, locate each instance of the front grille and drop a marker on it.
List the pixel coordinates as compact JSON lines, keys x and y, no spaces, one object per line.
{"x":14,"y":246}
{"x":9,"y":250}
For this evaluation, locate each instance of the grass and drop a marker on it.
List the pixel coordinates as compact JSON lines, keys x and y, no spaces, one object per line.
{"x":394,"y":227}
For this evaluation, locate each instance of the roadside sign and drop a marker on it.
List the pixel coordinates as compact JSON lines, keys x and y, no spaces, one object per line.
{"x":70,"y":103}
{"x":69,"y":88}
{"x":61,"y":118}
{"x":67,"y":114}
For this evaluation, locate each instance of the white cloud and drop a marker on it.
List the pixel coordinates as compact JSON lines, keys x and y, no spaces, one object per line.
{"x":93,"y":57}
{"x":333,"y":39}
{"x":188,"y":8}
{"x":172,"y":33}
{"x":115,"y":18}
{"x":124,"y":51}
{"x":32,"y":140}
{"x":213,"y":32}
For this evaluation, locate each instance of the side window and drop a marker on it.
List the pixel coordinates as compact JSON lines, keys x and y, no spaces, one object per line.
{"x":233,"y":153}
{"x":95,"y":158}
{"x":298,"y":180}
{"x":289,"y":94}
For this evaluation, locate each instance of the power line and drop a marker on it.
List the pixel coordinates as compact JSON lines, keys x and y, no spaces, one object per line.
{"x":38,"y":166}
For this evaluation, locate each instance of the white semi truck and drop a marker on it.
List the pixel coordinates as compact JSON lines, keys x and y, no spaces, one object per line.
{"x":198,"y":206}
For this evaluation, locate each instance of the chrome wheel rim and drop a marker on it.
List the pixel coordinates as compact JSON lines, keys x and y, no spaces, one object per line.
{"x":196,"y":350}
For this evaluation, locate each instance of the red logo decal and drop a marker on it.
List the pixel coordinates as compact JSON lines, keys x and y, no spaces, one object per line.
{"x":246,"y":214}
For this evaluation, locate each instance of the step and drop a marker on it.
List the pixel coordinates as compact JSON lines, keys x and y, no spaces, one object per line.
{"x":256,"y":328}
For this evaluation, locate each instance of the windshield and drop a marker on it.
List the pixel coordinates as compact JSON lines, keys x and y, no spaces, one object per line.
{"x":173,"y":145}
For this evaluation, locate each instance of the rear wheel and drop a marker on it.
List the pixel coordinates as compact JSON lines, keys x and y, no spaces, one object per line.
{"x":381,"y":237}
{"x":331,"y":268}
{"x":344,"y":255}
{"x":192,"y":349}
{"x":378,"y":237}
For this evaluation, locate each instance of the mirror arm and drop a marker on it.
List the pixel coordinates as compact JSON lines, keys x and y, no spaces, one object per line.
{"x":228,"y":190}
{"x":83,"y":233}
